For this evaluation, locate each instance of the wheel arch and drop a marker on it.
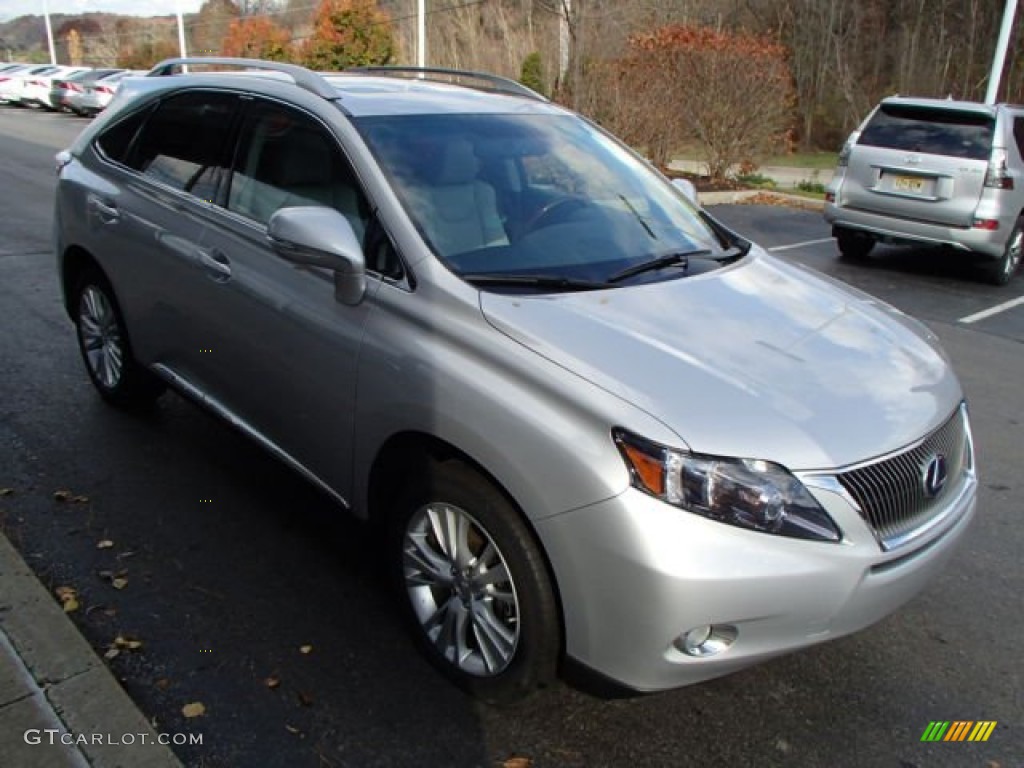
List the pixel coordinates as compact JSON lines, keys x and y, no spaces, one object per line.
{"x":408,"y":452}
{"x":75,"y":261}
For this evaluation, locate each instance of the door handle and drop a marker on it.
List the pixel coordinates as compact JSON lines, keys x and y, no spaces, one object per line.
{"x":216,"y":264}
{"x":107,"y":212}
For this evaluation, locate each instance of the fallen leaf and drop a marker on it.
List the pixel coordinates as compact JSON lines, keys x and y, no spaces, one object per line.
{"x":112,"y":653}
{"x":305,"y":699}
{"x":272,"y":682}
{"x":104,"y":544}
{"x":6,"y":491}
{"x":70,"y":605}
{"x":306,"y":649}
{"x":517,"y":762}
{"x":65,"y":593}
{"x":292,"y":729}
{"x":119,"y":583}
{"x":105,"y":575}
{"x":127,"y":643}
{"x":195,"y":709}
{"x":80,"y":499}
{"x":61,"y":495}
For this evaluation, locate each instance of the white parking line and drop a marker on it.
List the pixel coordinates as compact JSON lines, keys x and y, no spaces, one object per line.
{"x":777,"y":248}
{"x":993,"y":310}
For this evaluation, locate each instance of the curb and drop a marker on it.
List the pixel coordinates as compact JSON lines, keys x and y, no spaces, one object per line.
{"x":59,"y":704}
{"x":759,"y":197}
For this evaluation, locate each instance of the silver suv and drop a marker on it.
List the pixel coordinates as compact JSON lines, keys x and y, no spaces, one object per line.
{"x":933,"y":172}
{"x":598,"y":429}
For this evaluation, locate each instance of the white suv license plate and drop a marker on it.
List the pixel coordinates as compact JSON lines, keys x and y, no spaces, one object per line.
{"x":911,"y":184}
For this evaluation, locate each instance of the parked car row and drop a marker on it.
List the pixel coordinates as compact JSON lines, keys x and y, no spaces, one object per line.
{"x":82,"y":90}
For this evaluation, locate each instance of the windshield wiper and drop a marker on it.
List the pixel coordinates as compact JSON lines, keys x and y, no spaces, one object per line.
{"x":533,"y":281}
{"x":676,"y":258}
{"x":682,"y":259}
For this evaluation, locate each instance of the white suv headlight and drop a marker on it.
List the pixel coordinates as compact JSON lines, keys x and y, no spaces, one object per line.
{"x":747,"y":493}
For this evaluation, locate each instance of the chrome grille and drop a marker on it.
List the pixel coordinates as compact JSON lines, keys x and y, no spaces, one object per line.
{"x":891,"y":493}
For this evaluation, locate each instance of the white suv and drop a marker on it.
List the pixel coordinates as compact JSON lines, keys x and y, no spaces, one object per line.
{"x":930,"y":171}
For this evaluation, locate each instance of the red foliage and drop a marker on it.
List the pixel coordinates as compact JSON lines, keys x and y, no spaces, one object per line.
{"x":731,"y":92}
{"x":256,"y":37}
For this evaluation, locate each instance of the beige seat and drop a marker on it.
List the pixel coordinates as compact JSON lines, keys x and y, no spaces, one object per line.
{"x":298,"y":170}
{"x":458,"y":211}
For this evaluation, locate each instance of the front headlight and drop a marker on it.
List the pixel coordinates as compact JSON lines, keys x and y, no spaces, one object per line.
{"x":747,"y":493}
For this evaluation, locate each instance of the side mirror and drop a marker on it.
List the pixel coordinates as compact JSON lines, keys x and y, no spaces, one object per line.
{"x":686,"y":187}
{"x":321,"y":237}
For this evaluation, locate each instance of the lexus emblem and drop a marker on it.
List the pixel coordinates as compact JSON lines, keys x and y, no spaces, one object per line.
{"x":935,"y":475}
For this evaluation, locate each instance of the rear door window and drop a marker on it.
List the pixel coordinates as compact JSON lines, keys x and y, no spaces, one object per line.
{"x":930,"y":131}
{"x":184,"y":144}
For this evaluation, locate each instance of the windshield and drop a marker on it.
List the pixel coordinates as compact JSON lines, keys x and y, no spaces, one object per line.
{"x":537,"y":196}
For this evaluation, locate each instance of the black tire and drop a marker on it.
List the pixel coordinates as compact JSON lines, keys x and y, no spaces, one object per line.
{"x":1002,"y":270}
{"x":853,"y":246}
{"x":496,"y":638}
{"x":105,"y":347}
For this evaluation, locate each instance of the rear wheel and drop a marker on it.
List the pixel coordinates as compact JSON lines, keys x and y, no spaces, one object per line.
{"x":1001,"y":271}
{"x":476,"y":588}
{"x":103,"y":342}
{"x":853,"y":246}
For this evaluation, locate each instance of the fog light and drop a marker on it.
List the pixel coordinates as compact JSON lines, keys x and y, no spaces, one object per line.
{"x":707,"y":640}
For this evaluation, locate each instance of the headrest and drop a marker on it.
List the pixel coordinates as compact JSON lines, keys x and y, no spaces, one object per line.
{"x":458,"y":163}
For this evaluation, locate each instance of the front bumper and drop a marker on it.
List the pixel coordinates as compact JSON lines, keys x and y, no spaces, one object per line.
{"x":635,"y":573}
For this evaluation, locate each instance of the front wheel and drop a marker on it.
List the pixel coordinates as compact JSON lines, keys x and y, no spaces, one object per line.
{"x":476,"y":589}
{"x":103,"y":342}
{"x":1002,"y":270}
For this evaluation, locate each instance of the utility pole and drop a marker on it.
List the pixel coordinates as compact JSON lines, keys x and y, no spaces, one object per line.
{"x":49,"y":32}
{"x":181,"y":32}
{"x":996,"y":75}
{"x":421,"y":33}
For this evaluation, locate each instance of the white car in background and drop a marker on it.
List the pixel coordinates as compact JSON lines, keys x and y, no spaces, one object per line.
{"x":36,"y":90}
{"x":93,"y":97}
{"x":12,"y":83}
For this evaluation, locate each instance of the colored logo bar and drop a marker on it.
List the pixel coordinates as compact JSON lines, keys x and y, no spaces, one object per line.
{"x":958,"y":730}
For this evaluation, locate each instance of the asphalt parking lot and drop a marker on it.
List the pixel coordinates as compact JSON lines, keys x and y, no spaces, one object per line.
{"x":232,"y":564}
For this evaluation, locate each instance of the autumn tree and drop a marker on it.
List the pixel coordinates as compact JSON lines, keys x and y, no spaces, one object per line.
{"x":348,"y":33}
{"x":256,"y":37}
{"x":208,"y":28}
{"x":731,"y":92}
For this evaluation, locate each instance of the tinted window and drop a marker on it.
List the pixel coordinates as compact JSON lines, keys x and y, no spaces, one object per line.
{"x":930,"y":131}
{"x":184,"y":143}
{"x":115,"y":142}
{"x":1018,"y":134}
{"x":287,"y":159}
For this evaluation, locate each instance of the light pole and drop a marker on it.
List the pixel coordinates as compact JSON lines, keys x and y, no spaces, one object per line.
{"x":421,"y":33}
{"x":49,"y":32}
{"x":996,"y":75}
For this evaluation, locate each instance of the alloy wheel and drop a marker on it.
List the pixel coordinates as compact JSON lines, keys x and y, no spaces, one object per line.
{"x":100,"y":336}
{"x":461,"y":589}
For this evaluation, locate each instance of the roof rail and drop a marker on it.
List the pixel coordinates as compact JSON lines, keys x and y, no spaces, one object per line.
{"x":490,"y":82}
{"x":304,"y":78}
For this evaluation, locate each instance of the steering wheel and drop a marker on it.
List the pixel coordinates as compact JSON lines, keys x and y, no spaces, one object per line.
{"x":553,"y":211}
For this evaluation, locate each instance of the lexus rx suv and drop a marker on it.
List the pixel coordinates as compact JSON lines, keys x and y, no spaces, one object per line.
{"x":934,"y":172}
{"x":599,"y":431}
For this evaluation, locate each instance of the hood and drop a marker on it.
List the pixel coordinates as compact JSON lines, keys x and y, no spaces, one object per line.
{"x":761,"y":360}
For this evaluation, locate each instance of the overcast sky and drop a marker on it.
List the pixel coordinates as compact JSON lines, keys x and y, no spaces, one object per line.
{"x":10,"y":9}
